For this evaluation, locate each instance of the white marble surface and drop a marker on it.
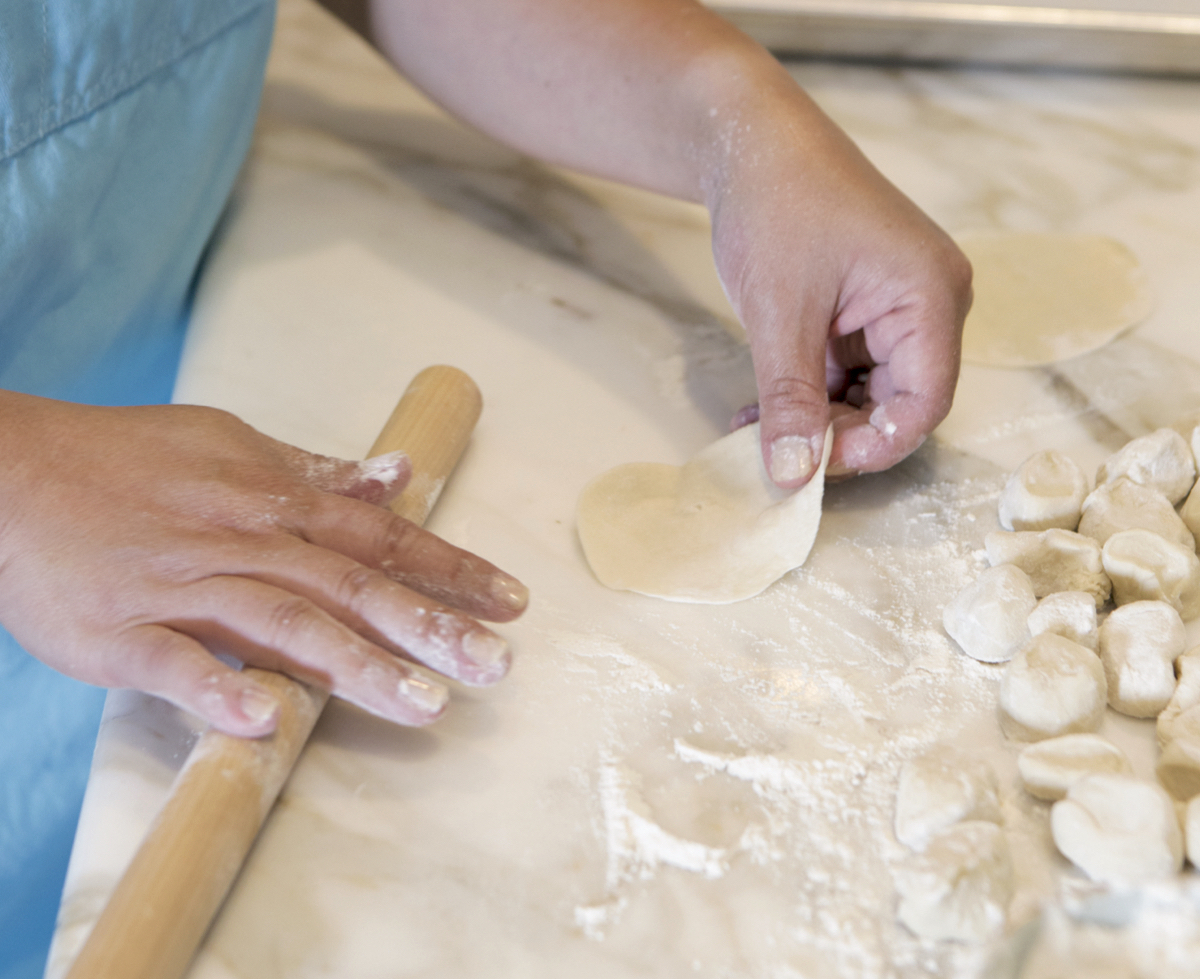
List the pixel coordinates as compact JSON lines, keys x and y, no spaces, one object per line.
{"x":657,"y":789}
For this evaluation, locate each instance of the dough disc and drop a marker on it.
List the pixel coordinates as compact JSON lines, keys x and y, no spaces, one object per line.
{"x":715,"y":530}
{"x":1042,"y":298}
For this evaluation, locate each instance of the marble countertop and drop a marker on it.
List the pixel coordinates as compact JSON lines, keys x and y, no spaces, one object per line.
{"x":657,"y":789}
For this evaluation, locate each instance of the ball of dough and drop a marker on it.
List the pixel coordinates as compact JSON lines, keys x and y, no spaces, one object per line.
{"x":1055,"y":560}
{"x":1138,"y":646}
{"x":960,"y":887}
{"x":1118,"y":829}
{"x":1178,"y":766}
{"x":1049,"y":768}
{"x":1046,"y":490}
{"x":715,"y":530}
{"x":1124,"y":505}
{"x":1161,"y":460}
{"x":1071,"y":614}
{"x":1052,"y":687}
{"x":1189,"y":513}
{"x":989,"y":618}
{"x":941,"y":788}
{"x":1186,"y":695}
{"x":1144,"y":567}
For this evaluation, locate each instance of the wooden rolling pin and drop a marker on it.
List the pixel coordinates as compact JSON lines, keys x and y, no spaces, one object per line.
{"x":170,"y":893}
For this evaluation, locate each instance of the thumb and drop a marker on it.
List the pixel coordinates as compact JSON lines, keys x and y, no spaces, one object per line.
{"x":789,"y":368}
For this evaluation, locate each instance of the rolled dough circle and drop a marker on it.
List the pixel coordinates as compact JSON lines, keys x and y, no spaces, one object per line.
{"x":1042,"y":298}
{"x":713,"y":531}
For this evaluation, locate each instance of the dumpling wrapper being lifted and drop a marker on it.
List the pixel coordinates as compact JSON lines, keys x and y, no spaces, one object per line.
{"x":713,"y":531}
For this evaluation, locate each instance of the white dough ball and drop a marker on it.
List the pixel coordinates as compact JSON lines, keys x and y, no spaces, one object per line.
{"x":1118,"y":829}
{"x":1186,"y":695}
{"x":960,"y":887}
{"x":1055,"y":560}
{"x":1189,"y":513}
{"x":1124,"y":505}
{"x":1071,"y":614}
{"x":1144,"y":567}
{"x":1178,"y":767}
{"x":1049,"y":768}
{"x":1138,"y":646}
{"x":1052,"y":687}
{"x":940,"y":788}
{"x":1161,"y":460}
{"x":989,"y":618}
{"x":1045,"y":491}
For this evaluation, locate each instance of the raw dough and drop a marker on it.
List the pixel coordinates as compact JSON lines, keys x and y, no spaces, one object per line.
{"x":1124,"y":505}
{"x":1046,"y":490}
{"x":1162,"y":460}
{"x":1145,"y":567}
{"x":1191,"y":823}
{"x":1179,"y":762}
{"x":1055,"y":560}
{"x":1189,"y":513}
{"x":1041,"y":298}
{"x":939,"y":789}
{"x":1118,"y":829}
{"x":1067,"y":613}
{"x":1138,"y":646}
{"x":715,"y":530}
{"x":988,"y":619}
{"x":1053,"y":686}
{"x":959,"y":888}
{"x":1049,"y":768}
{"x":1186,"y":695}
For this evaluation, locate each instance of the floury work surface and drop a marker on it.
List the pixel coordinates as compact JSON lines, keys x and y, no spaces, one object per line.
{"x":658,"y":789}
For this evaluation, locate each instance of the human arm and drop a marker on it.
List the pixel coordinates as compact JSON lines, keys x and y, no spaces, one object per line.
{"x":844,"y":287}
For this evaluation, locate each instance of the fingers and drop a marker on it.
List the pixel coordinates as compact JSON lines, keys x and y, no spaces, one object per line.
{"x":177,"y":668}
{"x":275,"y":629}
{"x":415,"y":558}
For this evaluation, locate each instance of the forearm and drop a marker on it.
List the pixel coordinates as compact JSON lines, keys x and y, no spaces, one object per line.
{"x":662,"y":94}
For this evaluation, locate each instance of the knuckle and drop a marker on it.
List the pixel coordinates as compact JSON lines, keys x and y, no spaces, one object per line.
{"x":355,"y":587}
{"x":289,"y":619}
{"x":397,"y":536}
{"x":788,"y":392}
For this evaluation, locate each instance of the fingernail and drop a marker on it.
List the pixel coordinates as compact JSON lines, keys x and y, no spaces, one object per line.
{"x":881,"y":422}
{"x":838,"y":470}
{"x":509,"y":592}
{"x":791,"y":458}
{"x":258,"y":706}
{"x":484,"y":648}
{"x":430,"y":697}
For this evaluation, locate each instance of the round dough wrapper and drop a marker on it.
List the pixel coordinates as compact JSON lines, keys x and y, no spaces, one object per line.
{"x":713,"y":531}
{"x":1042,"y":298}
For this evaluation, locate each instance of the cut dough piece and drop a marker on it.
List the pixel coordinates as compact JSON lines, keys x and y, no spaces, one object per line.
{"x":1055,"y":560}
{"x":1046,"y":490}
{"x":1124,"y":505}
{"x":939,"y":789}
{"x":1179,"y":762}
{"x":1144,"y":567}
{"x":1071,"y":614}
{"x":1162,"y":460}
{"x":1138,"y":646}
{"x":989,"y":618}
{"x":1189,"y":513}
{"x":960,"y":887}
{"x":1049,"y":768}
{"x":1052,"y":687}
{"x":1042,"y":298}
{"x":1186,"y":695}
{"x":1118,"y":829}
{"x":715,"y":530}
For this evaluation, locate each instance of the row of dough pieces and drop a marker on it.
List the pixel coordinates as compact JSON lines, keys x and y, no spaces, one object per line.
{"x":1073,"y":551}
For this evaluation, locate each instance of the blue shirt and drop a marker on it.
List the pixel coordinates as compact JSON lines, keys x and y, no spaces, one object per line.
{"x":123,"y":124}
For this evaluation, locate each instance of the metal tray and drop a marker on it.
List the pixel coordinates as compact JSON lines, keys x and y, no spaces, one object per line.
{"x":1158,"y":36}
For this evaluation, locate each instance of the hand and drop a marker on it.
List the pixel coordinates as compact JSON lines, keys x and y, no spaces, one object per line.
{"x":847,"y":292}
{"x":137,"y":542}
